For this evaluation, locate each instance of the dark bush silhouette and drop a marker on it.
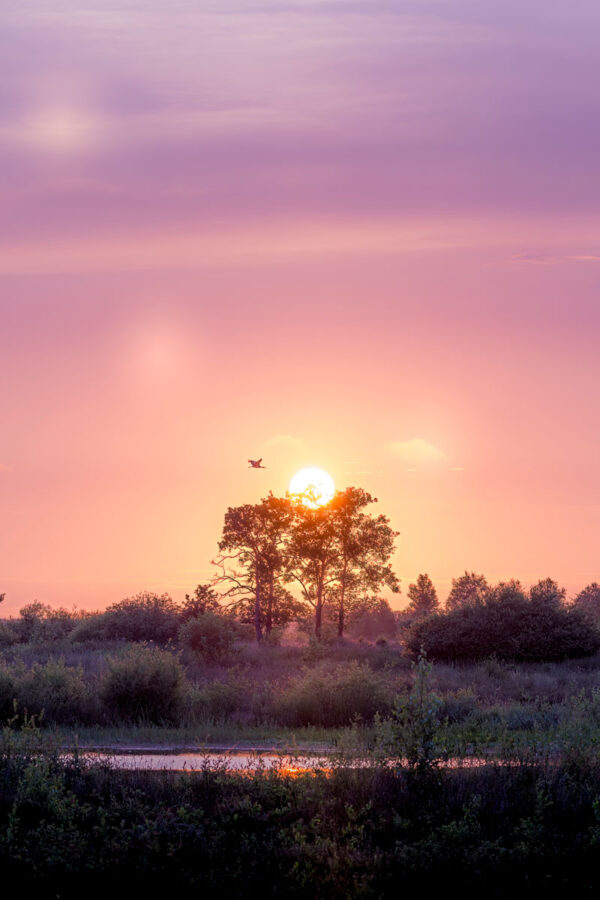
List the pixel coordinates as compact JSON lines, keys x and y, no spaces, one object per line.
{"x":8,"y":694}
{"x":145,"y":617}
{"x":39,"y":622}
{"x":203,"y":600}
{"x":588,"y":602}
{"x":509,"y":626}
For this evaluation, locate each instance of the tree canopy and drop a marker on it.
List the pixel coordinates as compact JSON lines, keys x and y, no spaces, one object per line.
{"x":332,"y":554}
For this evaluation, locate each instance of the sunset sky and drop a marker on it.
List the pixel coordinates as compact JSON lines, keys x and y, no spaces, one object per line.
{"x":362,"y":235}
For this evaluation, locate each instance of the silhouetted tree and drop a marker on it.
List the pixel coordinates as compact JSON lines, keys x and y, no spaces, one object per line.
{"x":423,"y":597}
{"x":371,"y":617}
{"x":252,"y":557}
{"x":509,"y":625}
{"x":203,"y":600}
{"x":336,"y":551}
{"x":547,"y":591}
{"x":468,"y":590}
{"x":364,"y":545}
{"x":588,"y":602}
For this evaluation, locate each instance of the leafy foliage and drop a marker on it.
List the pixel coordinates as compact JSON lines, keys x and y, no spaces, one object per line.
{"x":203,"y":600}
{"x":469,"y":589}
{"x":144,"y":617}
{"x":588,"y":602}
{"x":423,"y":597}
{"x":209,"y":637}
{"x":415,"y":727}
{"x":509,"y":626}
{"x":143,"y":684}
{"x":333,"y":698}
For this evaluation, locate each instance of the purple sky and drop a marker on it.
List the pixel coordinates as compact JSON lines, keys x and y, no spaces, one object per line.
{"x":358,"y":235}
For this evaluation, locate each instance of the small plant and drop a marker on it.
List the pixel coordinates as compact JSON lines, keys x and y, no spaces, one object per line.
{"x":415,"y":727}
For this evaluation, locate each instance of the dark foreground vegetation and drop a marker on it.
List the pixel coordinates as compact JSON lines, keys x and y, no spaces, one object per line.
{"x":70,"y":827}
{"x":503,"y":676}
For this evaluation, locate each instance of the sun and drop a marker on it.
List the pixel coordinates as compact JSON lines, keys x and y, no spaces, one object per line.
{"x":316,"y":484}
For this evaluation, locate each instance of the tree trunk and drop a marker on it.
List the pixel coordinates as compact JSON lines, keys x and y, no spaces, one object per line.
{"x":269,"y":617}
{"x":257,"y":625}
{"x":341,"y":619}
{"x":318,"y":619}
{"x":341,"y":610}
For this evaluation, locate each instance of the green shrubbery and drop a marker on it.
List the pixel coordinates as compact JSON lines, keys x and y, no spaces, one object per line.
{"x":209,"y":637}
{"x":143,"y":684}
{"x":509,"y":626}
{"x":68,"y":828}
{"x":57,"y":692}
{"x":333,"y":698}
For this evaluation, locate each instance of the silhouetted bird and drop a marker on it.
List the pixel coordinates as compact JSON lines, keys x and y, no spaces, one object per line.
{"x":256,"y":464}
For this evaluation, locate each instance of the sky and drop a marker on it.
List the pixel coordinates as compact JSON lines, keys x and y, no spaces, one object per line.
{"x":362,"y":235}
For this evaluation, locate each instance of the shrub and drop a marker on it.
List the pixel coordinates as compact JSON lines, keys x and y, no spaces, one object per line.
{"x":91,"y":628}
{"x":56,"y":690}
{"x":39,"y":622}
{"x":334,"y":698}
{"x":8,"y":634}
{"x":218,"y":700}
{"x":145,"y":617}
{"x":8,"y":693}
{"x":209,"y":637}
{"x":508,"y":626}
{"x":143,"y":684}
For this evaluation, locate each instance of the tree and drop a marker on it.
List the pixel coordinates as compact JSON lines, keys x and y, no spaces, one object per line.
{"x":336,"y":552}
{"x":364,"y":546}
{"x":588,"y":601}
{"x":371,"y":617}
{"x":509,"y":625}
{"x":203,"y":600}
{"x":423,"y":597}
{"x":468,"y":590}
{"x":547,"y":592}
{"x":251,"y":559}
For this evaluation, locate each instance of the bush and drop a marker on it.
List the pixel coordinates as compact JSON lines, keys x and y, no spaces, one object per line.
{"x":218,"y":700}
{"x":144,"y":684}
{"x":508,"y":626}
{"x":209,"y":637}
{"x":8,"y":634}
{"x":8,"y":693}
{"x":91,"y":628}
{"x":39,"y":622}
{"x":145,"y":617}
{"x":58,"y":691}
{"x":334,"y":698}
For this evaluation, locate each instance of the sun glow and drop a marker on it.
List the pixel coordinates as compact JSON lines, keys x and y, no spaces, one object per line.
{"x":315,"y":486}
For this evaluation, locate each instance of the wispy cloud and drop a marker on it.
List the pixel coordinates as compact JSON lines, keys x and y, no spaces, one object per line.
{"x":415,"y":453}
{"x":537,"y":259}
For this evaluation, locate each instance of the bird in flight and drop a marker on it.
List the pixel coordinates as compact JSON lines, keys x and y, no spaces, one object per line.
{"x":256,"y":464}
